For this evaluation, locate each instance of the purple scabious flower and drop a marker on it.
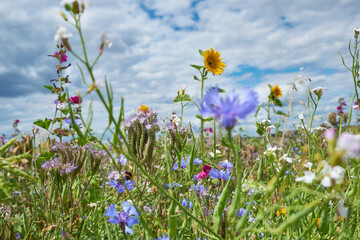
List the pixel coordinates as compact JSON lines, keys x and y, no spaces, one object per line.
{"x":229,"y":109}
{"x":126,"y":219}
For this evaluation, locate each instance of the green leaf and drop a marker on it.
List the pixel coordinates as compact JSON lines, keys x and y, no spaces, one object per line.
{"x":219,"y":208}
{"x":258,"y":109}
{"x":277,"y":102}
{"x":49,"y":87}
{"x":9,"y":143}
{"x":197,"y":67}
{"x":204,"y":119}
{"x":196,"y":78}
{"x":225,"y":142}
{"x":201,"y":52}
{"x":281,"y":113}
{"x":43,"y":123}
{"x":185,"y":98}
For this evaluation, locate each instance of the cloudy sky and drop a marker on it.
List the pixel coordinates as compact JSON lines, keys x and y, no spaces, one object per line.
{"x":155,"y":41}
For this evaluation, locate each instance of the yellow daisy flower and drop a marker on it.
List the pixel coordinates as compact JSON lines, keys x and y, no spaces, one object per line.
{"x":213,"y":62}
{"x":276,"y":91}
{"x":144,"y":109}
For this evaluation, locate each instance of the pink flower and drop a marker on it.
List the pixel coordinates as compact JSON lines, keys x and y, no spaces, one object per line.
{"x":211,"y":130}
{"x":329,"y":134}
{"x":340,"y":109}
{"x":63,"y":56}
{"x":75,"y":100}
{"x":202,"y":175}
{"x":206,"y":169}
{"x":205,"y":129}
{"x":17,"y":120}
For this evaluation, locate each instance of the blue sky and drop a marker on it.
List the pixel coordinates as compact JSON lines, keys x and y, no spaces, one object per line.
{"x":155,"y":41}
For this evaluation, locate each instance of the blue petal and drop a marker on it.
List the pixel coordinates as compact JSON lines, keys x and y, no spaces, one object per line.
{"x":132,"y":221}
{"x":129,"y":230}
{"x":111,"y":212}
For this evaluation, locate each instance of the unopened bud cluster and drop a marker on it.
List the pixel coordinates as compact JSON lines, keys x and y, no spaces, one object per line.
{"x":142,"y":127}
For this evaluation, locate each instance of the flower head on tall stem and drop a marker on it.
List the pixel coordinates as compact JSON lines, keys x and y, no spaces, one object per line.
{"x":229,"y":109}
{"x":126,"y":219}
{"x":213,"y":62}
{"x":276,"y":91}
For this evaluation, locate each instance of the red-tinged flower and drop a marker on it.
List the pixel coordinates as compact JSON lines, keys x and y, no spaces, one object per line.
{"x":205,"y":129}
{"x":62,"y":57}
{"x":211,"y":130}
{"x":75,"y":100}
{"x":202,"y":175}
{"x":206,"y":169}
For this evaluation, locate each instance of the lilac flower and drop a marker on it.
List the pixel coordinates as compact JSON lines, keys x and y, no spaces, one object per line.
{"x":229,"y":109}
{"x":125,"y":219}
{"x":121,"y":159}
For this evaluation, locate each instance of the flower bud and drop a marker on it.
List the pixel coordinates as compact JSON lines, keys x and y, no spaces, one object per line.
{"x":63,"y":15}
{"x":66,"y":43}
{"x":75,"y":7}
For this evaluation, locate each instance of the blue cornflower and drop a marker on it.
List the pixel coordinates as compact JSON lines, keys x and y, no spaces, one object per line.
{"x":119,"y":185}
{"x":214,"y":173}
{"x":125,"y":219}
{"x":229,"y":109}
{"x":242,"y":211}
{"x":186,"y":203}
{"x":198,"y":189}
{"x":183,"y":163}
{"x":175,"y":167}
{"x":121,"y":159}
{"x":197,"y":161}
{"x":17,"y":235}
{"x":226,"y":164}
{"x":173,"y":185}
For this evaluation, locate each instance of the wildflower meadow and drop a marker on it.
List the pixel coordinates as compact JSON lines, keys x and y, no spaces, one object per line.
{"x":146,"y":177}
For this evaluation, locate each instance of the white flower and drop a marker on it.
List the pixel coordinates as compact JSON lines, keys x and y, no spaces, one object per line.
{"x":357,"y":31}
{"x":308,"y":165}
{"x":288,"y":159}
{"x":212,"y":154}
{"x":342,"y":210}
{"x":318,"y":89}
{"x":326,"y":182}
{"x":106,"y":41}
{"x":61,"y":33}
{"x":176,"y":120}
{"x":350,"y":143}
{"x":99,"y":83}
{"x":266,"y":121}
{"x":332,"y":174}
{"x":60,"y":106}
{"x":92,"y":204}
{"x":301,"y":116}
{"x":307,"y":178}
